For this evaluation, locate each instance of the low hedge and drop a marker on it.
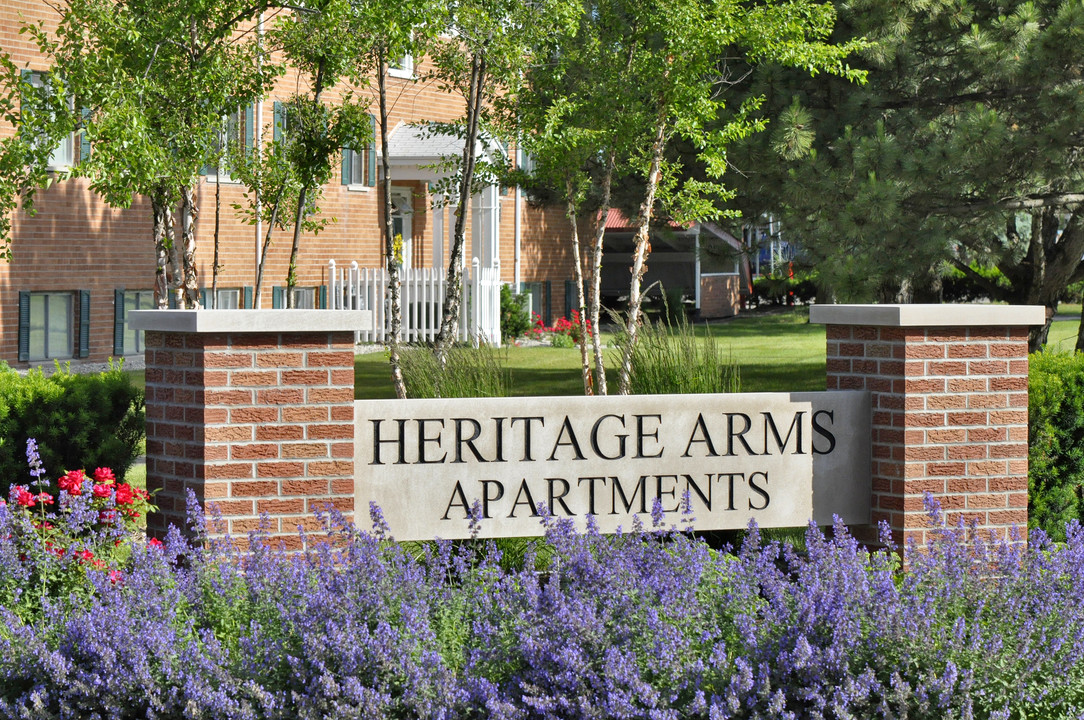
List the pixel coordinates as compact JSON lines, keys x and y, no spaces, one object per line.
{"x":78,"y":421}
{"x":1056,"y":440}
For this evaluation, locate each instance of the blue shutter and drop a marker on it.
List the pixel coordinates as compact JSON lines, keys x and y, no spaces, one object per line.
{"x":279,"y":121}
{"x":84,"y":140}
{"x":84,"y":323}
{"x":118,"y":323}
{"x":571,"y":301}
{"x":548,"y":295}
{"x":371,"y":179}
{"x":248,"y":297}
{"x":205,"y":297}
{"x":24,"y":326}
{"x":347,"y":159}
{"x":323,"y":297}
{"x":278,"y":298}
{"x":250,"y":128}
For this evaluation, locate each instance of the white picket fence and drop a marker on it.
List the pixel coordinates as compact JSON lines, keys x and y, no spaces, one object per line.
{"x":422,"y":292}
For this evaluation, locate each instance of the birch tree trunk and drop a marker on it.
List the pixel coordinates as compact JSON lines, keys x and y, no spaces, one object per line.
{"x":596,"y":270}
{"x":189,"y":276}
{"x":394,"y":258}
{"x":159,"y":211}
{"x":639,"y":261}
{"x":215,"y":267}
{"x":266,"y":245}
{"x":453,"y":299}
{"x":577,"y":264}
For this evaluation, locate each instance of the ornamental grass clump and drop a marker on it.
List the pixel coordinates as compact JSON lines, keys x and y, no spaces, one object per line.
{"x":648,"y":623}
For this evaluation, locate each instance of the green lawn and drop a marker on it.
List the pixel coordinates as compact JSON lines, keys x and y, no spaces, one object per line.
{"x":774,"y":352}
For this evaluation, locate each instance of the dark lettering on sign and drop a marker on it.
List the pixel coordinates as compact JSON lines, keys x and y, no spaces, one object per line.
{"x":705,"y":438}
{"x":730,"y":487}
{"x":763,"y":492}
{"x":378,"y":441}
{"x":642,"y":434}
{"x":566,"y":427}
{"x":795,"y":429}
{"x":422,"y":440}
{"x":733,"y":434}
{"x":487,"y":498}
{"x":523,"y":497}
{"x":640,"y":490}
{"x":499,"y":422}
{"x":460,"y":441}
{"x":591,"y":492}
{"x":458,"y":499}
{"x":621,"y":439}
{"x":824,"y":432}
{"x":659,"y":492}
{"x":691,"y":487}
{"x":527,"y":433}
{"x":556,"y":499}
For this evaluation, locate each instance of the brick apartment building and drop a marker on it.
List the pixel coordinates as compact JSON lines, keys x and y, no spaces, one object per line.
{"x":79,"y":265}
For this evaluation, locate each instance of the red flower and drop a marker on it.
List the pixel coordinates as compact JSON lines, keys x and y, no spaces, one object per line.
{"x":107,"y":517}
{"x":154,"y":542}
{"x":124,"y":494}
{"x":21,"y":495}
{"x":72,"y":482}
{"x":102,"y":491}
{"x":116,"y":576}
{"x":104,"y":476}
{"x":45,"y":498}
{"x":84,"y":555}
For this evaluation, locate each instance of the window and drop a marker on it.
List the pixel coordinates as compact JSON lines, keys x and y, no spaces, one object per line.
{"x":304,"y":298}
{"x":235,"y":132}
{"x":359,"y":166}
{"x":228,"y":299}
{"x":128,"y":340}
{"x":402,"y":67}
{"x":46,"y":325}
{"x":63,"y":155}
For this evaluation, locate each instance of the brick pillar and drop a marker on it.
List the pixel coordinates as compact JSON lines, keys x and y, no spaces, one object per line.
{"x":253,"y":410}
{"x":949,"y":387}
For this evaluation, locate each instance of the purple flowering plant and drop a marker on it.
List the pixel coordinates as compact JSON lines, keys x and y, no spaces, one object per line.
{"x":648,"y":623}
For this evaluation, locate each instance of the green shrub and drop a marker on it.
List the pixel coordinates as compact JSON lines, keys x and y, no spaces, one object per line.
{"x":468,"y":372}
{"x":1056,"y":441}
{"x":78,"y":420}
{"x":670,"y":358}
{"x":515,"y":317}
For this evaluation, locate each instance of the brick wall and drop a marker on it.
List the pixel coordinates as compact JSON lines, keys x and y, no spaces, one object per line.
{"x":949,"y":416}
{"x":252,"y":422}
{"x":720,"y":295}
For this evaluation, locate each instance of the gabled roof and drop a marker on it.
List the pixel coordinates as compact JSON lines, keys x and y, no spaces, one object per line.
{"x":414,"y":150}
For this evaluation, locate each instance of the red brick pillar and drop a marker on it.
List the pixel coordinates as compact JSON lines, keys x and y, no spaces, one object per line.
{"x":252,"y":410}
{"x":949,"y":387}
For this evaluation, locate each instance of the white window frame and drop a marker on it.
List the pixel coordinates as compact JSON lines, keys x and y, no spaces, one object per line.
{"x":62,"y":303}
{"x":304,"y":298}
{"x":402,"y":68}
{"x":231,"y":130}
{"x":135,"y":300}
{"x":63,"y":155}
{"x":228,"y":298}
{"x":358,"y":160}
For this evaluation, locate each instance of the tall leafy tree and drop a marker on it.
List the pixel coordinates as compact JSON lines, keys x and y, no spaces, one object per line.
{"x":385,"y":32}
{"x":964,"y":147}
{"x":482,"y":55}
{"x":315,"y":39}
{"x":148,"y":84}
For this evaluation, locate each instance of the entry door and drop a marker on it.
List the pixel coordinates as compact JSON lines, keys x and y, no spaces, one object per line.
{"x":402,"y":212}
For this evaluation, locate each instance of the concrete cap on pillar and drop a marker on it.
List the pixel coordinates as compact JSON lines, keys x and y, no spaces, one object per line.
{"x":931,"y":315}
